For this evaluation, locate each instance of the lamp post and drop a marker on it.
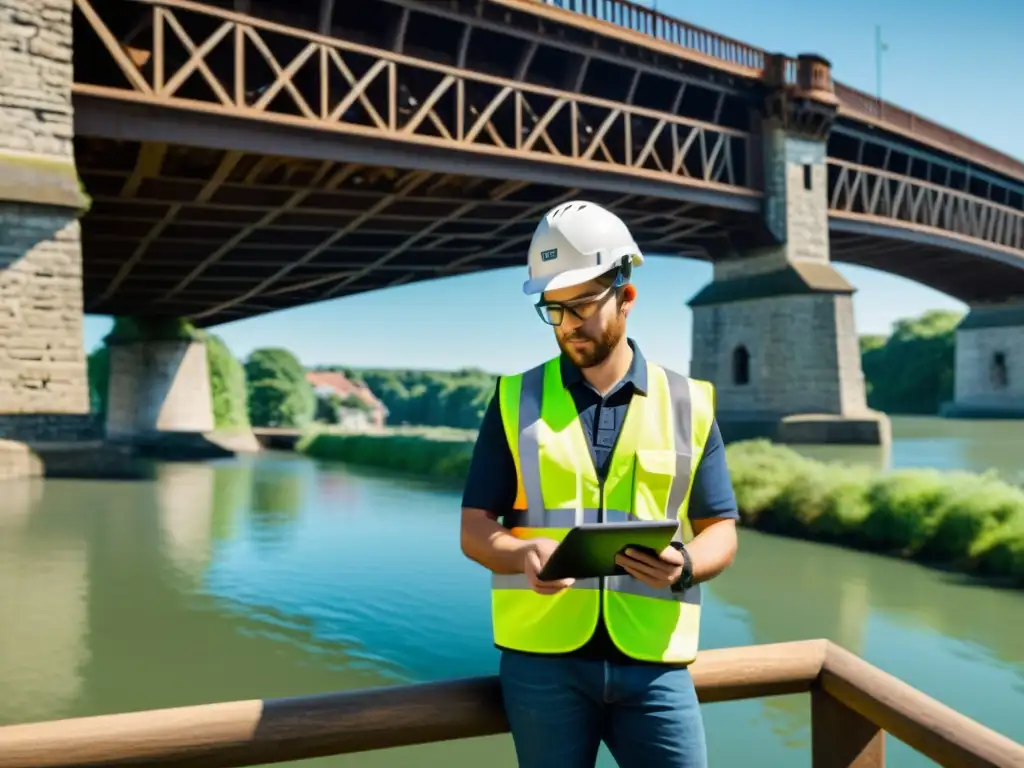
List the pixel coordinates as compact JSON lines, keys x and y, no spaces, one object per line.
{"x":880,"y":47}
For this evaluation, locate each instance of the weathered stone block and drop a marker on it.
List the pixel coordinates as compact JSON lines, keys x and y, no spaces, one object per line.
{"x":41,"y":345}
{"x":776,"y":356}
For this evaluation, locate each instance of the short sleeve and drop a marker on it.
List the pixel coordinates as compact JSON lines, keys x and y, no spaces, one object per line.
{"x":491,"y":484}
{"x":712,"y":494}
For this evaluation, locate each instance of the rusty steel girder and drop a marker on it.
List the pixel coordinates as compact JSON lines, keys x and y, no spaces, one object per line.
{"x":859,"y":192}
{"x":328,"y":84}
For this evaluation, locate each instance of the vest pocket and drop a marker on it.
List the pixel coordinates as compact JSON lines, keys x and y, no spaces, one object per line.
{"x":654,"y":473}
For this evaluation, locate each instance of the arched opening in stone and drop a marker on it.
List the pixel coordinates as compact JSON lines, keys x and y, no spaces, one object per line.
{"x":740,"y":366}
{"x":997,"y":371}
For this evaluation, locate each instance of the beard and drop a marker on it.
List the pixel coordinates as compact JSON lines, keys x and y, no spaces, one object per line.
{"x":596,"y":350}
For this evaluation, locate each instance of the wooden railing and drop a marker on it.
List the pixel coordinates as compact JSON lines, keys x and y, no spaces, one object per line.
{"x":852,"y":706}
{"x":856,"y":104}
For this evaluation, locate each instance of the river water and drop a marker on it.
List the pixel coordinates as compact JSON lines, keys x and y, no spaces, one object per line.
{"x":275,"y":576}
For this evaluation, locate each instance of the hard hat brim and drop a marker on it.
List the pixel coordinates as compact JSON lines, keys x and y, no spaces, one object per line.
{"x":571,"y":277}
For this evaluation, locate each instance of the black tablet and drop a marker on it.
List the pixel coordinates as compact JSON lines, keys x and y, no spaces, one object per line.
{"x":589,"y":550}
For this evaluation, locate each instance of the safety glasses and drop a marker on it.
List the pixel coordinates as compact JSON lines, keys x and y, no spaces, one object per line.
{"x":553,"y":312}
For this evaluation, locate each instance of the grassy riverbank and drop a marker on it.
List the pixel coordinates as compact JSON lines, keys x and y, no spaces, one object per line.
{"x":968,"y":522}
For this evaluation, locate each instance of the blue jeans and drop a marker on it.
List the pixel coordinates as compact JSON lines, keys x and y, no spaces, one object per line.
{"x":561,"y":708}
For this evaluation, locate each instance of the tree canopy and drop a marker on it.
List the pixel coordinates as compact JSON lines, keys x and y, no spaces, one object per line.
{"x":428,"y":398}
{"x":911,"y":371}
{"x":279,"y":395}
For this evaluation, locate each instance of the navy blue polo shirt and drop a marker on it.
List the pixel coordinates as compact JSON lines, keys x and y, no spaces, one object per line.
{"x":492,"y":484}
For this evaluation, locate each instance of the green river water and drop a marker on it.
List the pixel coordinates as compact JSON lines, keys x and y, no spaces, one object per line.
{"x":274,"y":575}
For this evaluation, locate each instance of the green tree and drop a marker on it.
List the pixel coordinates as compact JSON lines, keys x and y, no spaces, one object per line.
{"x":912,"y":370}
{"x":279,"y":395}
{"x":227,"y":385}
{"x":428,"y":398}
{"x":328,"y":409}
{"x":98,"y":372}
{"x":354,"y":403}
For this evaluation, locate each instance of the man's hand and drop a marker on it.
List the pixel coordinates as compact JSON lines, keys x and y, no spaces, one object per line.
{"x":657,"y":572}
{"x":535,"y":557}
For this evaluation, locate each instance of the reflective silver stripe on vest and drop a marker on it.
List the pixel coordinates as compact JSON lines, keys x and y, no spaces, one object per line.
{"x":682,"y":412}
{"x":535,"y":516}
{"x":552,"y":518}
{"x":530,"y":395}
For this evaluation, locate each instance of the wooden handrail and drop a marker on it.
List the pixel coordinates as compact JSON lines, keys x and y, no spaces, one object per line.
{"x":852,"y":703}
{"x":736,"y":56}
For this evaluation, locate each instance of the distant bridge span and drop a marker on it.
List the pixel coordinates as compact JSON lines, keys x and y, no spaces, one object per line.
{"x":662,"y":133}
{"x":245,"y":156}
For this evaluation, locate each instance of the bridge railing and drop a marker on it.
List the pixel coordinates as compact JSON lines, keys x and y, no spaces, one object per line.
{"x":853,"y":705}
{"x":661,"y":26}
{"x":857,"y":104}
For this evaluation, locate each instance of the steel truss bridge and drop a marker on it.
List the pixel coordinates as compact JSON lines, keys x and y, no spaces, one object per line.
{"x":247,"y":156}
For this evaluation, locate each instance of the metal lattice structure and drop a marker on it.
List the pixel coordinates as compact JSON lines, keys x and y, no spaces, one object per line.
{"x":219,"y":235}
{"x":858,"y":191}
{"x":195,"y":216}
{"x":336,"y":85}
{"x":738,"y":56}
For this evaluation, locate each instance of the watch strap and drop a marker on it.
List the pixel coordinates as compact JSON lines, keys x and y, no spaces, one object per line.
{"x":685,"y":580}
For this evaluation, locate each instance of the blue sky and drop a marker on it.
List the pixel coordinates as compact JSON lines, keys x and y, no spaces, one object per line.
{"x":953,"y":61}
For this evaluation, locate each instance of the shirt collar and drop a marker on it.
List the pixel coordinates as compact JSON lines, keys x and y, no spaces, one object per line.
{"x":635,"y":376}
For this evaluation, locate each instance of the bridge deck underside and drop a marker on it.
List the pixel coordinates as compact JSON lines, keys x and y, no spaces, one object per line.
{"x":962,"y":275}
{"x":221,"y":235}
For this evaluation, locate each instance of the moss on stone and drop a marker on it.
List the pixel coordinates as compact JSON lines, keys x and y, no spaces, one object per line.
{"x":128,"y":330}
{"x":42,"y":180}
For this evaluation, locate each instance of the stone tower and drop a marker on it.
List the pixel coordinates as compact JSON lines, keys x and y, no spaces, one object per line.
{"x":774,"y":330}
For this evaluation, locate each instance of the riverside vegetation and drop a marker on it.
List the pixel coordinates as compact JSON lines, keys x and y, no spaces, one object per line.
{"x":974,"y":523}
{"x":968,"y":522}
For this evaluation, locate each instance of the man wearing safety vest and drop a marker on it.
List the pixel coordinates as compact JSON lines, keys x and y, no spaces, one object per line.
{"x":597,"y":434}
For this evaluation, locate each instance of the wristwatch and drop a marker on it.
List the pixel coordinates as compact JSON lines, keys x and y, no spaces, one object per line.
{"x":685,"y":580}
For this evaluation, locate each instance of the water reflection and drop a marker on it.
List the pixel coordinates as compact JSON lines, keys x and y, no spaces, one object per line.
{"x":43,"y":601}
{"x":875,"y":607}
{"x":185,"y":505}
{"x":918,"y":441}
{"x":273,"y":576}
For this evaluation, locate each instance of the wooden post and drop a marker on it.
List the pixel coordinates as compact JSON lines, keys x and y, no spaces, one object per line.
{"x":842,"y":738}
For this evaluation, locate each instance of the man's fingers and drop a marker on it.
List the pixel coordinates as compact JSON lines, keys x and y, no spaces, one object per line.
{"x":555,"y":585}
{"x":654,"y":569}
{"x":532,"y":561}
{"x":643,"y":557}
{"x":551,"y":587}
{"x":653,"y":582}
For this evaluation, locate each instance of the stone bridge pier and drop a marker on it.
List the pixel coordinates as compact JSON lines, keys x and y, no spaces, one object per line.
{"x":46,"y":424}
{"x":158,"y":396}
{"x":774,"y":330}
{"x":44,"y":395}
{"x":989,"y":369}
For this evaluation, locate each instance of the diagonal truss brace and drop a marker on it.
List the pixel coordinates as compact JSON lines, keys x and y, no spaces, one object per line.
{"x":338,"y":85}
{"x":859,"y":190}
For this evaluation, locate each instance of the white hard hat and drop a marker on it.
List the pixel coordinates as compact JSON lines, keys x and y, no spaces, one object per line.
{"x":576,"y":242}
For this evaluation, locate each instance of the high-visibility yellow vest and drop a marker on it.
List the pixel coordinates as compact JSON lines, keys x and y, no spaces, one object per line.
{"x":649,"y":478}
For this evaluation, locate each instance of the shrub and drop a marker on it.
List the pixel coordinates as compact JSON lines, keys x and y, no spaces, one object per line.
{"x":441,"y":454}
{"x":227,"y":386}
{"x":973,"y":522}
